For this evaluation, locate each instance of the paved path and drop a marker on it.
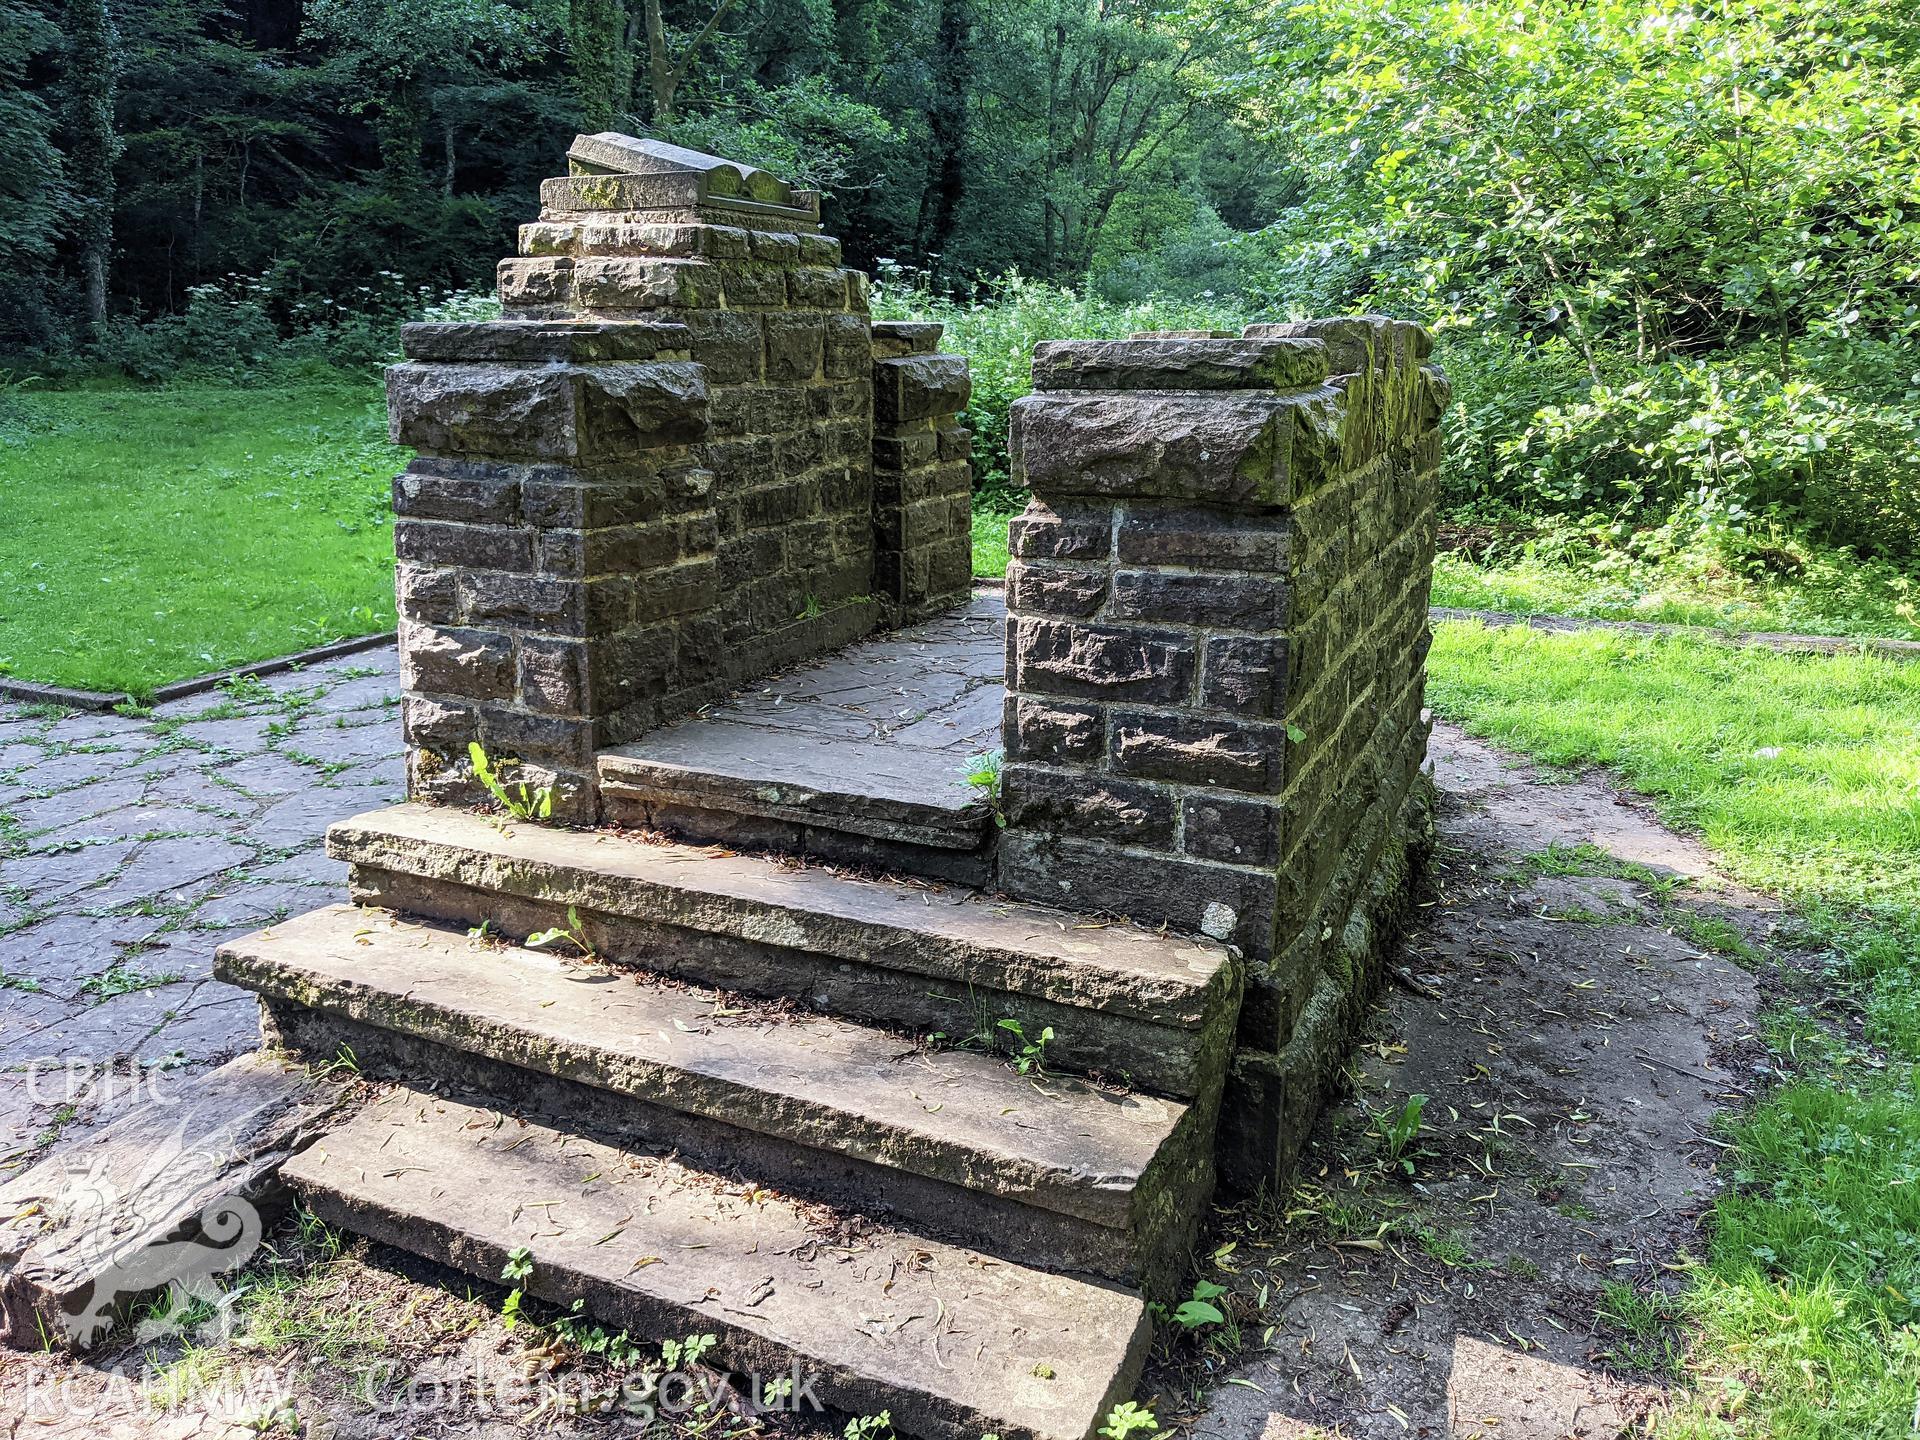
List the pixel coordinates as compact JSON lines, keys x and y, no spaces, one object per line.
{"x":131,"y":848}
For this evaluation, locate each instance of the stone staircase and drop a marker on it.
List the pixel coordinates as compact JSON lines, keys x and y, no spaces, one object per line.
{"x":766,"y":1098}
{"x":805,"y":1057}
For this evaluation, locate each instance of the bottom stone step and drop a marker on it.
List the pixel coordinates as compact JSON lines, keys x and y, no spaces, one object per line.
{"x":953,"y":1343}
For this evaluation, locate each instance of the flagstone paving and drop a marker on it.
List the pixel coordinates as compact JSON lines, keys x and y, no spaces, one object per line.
{"x":132,"y":846}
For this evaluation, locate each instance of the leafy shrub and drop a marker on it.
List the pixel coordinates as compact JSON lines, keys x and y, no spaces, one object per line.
{"x":247,"y":329}
{"x":1729,"y":439}
{"x":997,"y":328}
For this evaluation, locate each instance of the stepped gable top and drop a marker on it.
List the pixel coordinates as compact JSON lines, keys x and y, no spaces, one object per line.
{"x":719,"y":181}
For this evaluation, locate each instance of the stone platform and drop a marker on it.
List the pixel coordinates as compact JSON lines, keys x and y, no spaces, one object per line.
{"x":861,"y":757}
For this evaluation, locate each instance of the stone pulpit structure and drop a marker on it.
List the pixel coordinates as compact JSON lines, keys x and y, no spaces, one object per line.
{"x":874,"y":971}
{"x":697,"y":461}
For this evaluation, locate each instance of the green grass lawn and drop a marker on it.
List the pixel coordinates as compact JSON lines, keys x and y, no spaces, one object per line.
{"x":153,"y":535}
{"x":1803,"y":773}
{"x":1836,"y":594}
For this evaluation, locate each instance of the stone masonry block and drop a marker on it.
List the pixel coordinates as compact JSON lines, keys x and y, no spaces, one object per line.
{"x":1100,"y":662}
{"x":455,"y":490}
{"x":1125,"y":812}
{"x":919,"y":387}
{"x":895,"y":338}
{"x":1234,"y":448}
{"x":1224,"y":902}
{"x":425,"y":593}
{"x":1040,"y":589}
{"x":547,"y":413}
{"x":1072,"y":532}
{"x":1200,"y":538}
{"x":627,"y":283}
{"x":1235,"y":832}
{"x":1245,"y":674}
{"x":468,"y":664}
{"x":1237,"y":602}
{"x":1036,"y":730}
{"x":485,"y":547}
{"x":795,"y":346}
{"x":1192,"y":749}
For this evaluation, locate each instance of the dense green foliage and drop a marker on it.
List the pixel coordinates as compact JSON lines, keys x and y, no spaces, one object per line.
{"x":1675,"y":250}
{"x":1677,"y":279}
{"x":350,"y":152}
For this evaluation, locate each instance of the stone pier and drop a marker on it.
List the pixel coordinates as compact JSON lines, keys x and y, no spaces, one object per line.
{"x":1215,"y":658}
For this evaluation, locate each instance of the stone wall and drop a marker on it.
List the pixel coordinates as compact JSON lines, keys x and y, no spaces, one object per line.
{"x":661,"y":473}
{"x":1216,"y":641}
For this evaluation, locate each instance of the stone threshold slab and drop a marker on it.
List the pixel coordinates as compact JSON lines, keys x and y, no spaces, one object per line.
{"x":956,"y":936}
{"x":953,"y":1343}
{"x":957,"y":1116}
{"x":902,"y":793}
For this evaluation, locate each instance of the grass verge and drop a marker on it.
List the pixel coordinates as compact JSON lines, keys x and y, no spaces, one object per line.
{"x":1803,"y":773}
{"x":1827,"y":592}
{"x":159,"y":534}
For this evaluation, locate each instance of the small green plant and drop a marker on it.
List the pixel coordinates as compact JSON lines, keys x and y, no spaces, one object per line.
{"x":617,"y":1348}
{"x":812,"y":610}
{"x":1127,"y":1417}
{"x":678,"y":1354}
{"x":522,"y":801}
{"x":518,"y":1267}
{"x":1399,"y":1129}
{"x":121,"y":978}
{"x":983,"y":774}
{"x":1197,"y":1311}
{"x":1030,"y":1058}
{"x":573,"y":931}
{"x":870,"y":1427}
{"x":18,"y":982}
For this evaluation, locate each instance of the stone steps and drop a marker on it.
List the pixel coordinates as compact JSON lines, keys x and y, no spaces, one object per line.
{"x":954,"y":1344}
{"x":1049,"y":1170}
{"x":1153,"y":1010}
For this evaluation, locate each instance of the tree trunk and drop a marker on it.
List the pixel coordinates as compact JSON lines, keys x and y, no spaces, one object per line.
{"x":602,"y":60}
{"x":92,"y":65}
{"x":947,"y":129}
{"x":661,"y":81}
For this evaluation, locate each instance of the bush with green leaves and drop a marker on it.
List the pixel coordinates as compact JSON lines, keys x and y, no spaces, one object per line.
{"x":1676,"y":274}
{"x":997,"y":327}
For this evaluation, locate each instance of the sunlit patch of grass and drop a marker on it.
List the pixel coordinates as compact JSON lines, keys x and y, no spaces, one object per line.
{"x":1835,"y":592}
{"x":157,"y":534}
{"x":1801,"y":771}
{"x":990,"y":540}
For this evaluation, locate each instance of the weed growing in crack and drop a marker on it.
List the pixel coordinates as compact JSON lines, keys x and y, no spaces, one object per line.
{"x":1030,"y":1056}
{"x":983,"y":773}
{"x":123,"y":979}
{"x":521,"y":801}
{"x":1125,"y":1419}
{"x":573,"y":932}
{"x":1399,"y":1128}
